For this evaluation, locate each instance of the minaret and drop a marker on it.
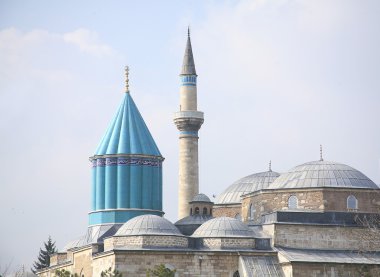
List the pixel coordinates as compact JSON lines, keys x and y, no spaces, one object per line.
{"x":188,"y":121}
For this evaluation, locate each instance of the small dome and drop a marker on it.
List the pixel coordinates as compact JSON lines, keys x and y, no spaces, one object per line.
{"x":201,"y":198}
{"x":323,"y":174}
{"x":223,"y":227}
{"x":148,"y":225}
{"x":245,"y":185}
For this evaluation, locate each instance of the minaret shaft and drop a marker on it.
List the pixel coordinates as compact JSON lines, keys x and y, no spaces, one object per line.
{"x":188,"y":121}
{"x":188,"y":98}
{"x":188,"y":173}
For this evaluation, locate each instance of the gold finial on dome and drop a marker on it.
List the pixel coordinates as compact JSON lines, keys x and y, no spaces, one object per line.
{"x":126,"y":79}
{"x":320,"y":153}
{"x":270,"y":165}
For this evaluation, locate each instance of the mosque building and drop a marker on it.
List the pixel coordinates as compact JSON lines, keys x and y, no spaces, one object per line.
{"x":317,"y":219}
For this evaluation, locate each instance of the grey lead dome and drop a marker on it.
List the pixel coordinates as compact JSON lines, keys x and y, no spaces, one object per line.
{"x":148,"y":225}
{"x":201,"y":198}
{"x":323,"y":174}
{"x":223,"y":227}
{"x":251,"y":183}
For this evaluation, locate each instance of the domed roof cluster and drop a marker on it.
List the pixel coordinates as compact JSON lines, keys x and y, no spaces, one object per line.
{"x":323,"y":174}
{"x":201,"y":198}
{"x":246,"y":185}
{"x":148,"y":225}
{"x":223,"y":227}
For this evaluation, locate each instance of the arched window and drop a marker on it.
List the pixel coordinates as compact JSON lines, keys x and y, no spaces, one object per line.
{"x":204,"y":210}
{"x":251,"y":212}
{"x":196,"y":210}
{"x":210,"y":211}
{"x":352,"y":203}
{"x":293,"y":202}
{"x":238,"y":216}
{"x":236,"y":274}
{"x":191,"y":211}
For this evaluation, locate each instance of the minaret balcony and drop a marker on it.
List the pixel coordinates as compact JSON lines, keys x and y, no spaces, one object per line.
{"x":188,"y":120}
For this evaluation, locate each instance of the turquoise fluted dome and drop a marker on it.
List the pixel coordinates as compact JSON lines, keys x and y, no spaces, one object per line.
{"x":126,"y":170}
{"x":128,"y":133}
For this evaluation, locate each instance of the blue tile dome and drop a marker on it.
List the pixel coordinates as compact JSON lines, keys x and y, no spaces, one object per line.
{"x":323,"y":174}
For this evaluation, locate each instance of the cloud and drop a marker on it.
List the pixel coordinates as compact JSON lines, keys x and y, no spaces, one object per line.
{"x":88,"y":42}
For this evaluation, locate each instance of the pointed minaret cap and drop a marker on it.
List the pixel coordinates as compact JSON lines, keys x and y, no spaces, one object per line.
{"x":188,"y":66}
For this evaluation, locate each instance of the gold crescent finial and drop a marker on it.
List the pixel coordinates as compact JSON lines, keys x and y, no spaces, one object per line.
{"x":126,"y":79}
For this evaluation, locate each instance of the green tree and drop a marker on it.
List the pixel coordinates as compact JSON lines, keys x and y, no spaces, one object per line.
{"x":160,"y":271}
{"x":110,"y":273}
{"x":65,"y":273}
{"x":43,"y":259}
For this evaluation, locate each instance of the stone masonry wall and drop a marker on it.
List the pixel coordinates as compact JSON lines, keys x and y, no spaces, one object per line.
{"x":229,"y":211}
{"x":81,"y":262}
{"x":145,"y":241}
{"x":325,"y":237}
{"x":278,"y":200}
{"x":194,"y":264}
{"x":58,"y":258}
{"x":336,"y":200}
{"x":318,"y":199}
{"x":228,"y":243}
{"x":333,"y":270}
{"x":120,"y":242}
{"x":165,"y":241}
{"x":238,"y":243}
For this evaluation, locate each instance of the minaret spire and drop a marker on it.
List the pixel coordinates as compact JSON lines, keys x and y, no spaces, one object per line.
{"x":188,"y":66}
{"x":188,"y":121}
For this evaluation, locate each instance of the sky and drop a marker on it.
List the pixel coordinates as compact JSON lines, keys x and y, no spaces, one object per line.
{"x":275,"y":80}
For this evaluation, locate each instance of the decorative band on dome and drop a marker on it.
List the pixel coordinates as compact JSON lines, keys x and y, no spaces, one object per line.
{"x":101,"y":162}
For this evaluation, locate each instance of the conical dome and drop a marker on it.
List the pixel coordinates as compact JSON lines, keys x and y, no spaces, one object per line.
{"x":126,"y":170}
{"x":128,"y":133}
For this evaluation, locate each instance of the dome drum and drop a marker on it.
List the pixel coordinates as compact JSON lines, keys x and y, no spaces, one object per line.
{"x":145,"y":242}
{"x":227,"y":243}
